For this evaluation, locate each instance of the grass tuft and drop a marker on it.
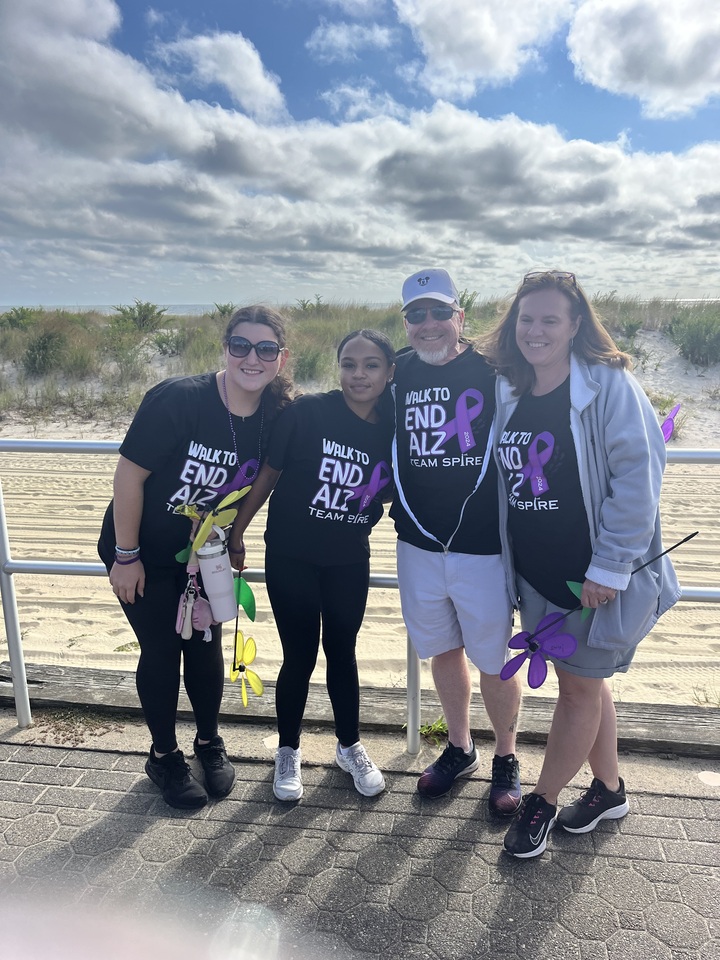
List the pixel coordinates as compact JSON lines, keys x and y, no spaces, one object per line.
{"x":435,"y":732}
{"x":706,"y":696}
{"x":697,"y":334}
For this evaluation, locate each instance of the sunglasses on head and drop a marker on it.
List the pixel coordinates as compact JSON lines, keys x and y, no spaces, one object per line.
{"x":419,"y":314}
{"x":240,"y":347}
{"x":555,"y":274}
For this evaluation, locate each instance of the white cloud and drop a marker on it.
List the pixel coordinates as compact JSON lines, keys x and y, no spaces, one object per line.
{"x":231,"y":61}
{"x":155,"y":18}
{"x":355,"y":102}
{"x":89,"y":19}
{"x":358,"y":8}
{"x":330,"y":202}
{"x":64,"y":84}
{"x":332,"y":42}
{"x":468,"y":44}
{"x":664,"y":52}
{"x":112,"y":186}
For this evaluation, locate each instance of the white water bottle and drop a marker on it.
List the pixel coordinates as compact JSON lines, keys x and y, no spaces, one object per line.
{"x":218,"y":580}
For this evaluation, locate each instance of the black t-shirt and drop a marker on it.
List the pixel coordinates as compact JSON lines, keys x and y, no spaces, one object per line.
{"x":547,"y":520}
{"x":181,"y":434}
{"x":334,"y":466}
{"x":446,"y":477}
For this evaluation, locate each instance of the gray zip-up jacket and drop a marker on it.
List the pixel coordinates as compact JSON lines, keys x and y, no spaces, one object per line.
{"x":621,"y":457}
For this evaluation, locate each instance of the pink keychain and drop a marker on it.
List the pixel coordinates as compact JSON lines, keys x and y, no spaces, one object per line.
{"x":194,"y":612}
{"x":184,"y":620}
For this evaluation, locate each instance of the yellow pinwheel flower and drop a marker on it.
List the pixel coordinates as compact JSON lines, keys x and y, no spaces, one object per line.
{"x":222,"y":515}
{"x":245,"y":651}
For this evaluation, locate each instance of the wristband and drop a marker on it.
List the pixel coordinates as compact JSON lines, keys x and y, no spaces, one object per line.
{"x":127,"y":553}
{"x":241,"y":550}
{"x":124,"y":563}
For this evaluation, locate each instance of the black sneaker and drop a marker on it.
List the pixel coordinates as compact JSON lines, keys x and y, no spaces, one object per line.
{"x":453,"y":762}
{"x":219,"y":772}
{"x":172,"y":774}
{"x":505,"y":792}
{"x":527,"y":837}
{"x":596,"y":804}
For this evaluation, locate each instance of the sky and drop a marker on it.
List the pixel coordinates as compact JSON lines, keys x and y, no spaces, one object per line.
{"x":278,"y":150}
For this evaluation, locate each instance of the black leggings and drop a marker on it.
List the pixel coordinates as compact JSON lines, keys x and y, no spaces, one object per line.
{"x":152,"y":617}
{"x":301,"y":595}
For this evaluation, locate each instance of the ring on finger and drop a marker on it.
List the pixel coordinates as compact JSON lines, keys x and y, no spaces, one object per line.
{"x":604,"y":600}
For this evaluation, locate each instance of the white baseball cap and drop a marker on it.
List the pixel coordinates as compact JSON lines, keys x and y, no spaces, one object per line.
{"x":434,"y":284}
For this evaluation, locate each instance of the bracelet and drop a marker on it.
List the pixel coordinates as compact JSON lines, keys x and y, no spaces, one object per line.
{"x":241,"y":550}
{"x":127,"y":553}
{"x":124,"y":563}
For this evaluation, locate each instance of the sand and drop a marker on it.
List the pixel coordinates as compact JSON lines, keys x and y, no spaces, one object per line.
{"x":54,"y":505}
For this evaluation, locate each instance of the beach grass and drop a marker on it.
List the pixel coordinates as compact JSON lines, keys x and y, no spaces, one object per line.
{"x":87,"y":365}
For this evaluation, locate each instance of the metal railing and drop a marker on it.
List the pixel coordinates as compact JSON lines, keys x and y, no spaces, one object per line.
{"x":8,"y":567}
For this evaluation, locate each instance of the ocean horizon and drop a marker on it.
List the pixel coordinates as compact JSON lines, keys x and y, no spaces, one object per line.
{"x":174,"y":309}
{"x":179,"y":309}
{"x":199,"y":309}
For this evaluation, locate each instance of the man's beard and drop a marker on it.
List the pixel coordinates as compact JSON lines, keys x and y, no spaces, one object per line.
{"x":434,"y":357}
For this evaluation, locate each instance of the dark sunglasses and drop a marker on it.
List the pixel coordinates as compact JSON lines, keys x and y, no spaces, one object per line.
{"x":419,"y":314}
{"x":240,"y":347}
{"x":555,"y":274}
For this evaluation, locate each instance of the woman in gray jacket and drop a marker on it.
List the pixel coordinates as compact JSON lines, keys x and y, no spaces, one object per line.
{"x":581,"y":455}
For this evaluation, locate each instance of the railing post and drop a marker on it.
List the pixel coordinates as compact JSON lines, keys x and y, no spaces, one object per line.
{"x":413,"y":700}
{"x":12,"y":627}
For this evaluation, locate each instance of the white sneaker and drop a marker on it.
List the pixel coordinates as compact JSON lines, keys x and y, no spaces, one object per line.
{"x":368,"y":779}
{"x":287,"y":782}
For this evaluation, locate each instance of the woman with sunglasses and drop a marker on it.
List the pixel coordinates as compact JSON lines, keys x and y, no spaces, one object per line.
{"x":193,"y":441}
{"x":582,"y":456}
{"x":328,"y":467}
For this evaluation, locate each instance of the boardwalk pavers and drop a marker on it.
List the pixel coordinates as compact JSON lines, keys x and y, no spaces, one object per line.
{"x":338,"y":875}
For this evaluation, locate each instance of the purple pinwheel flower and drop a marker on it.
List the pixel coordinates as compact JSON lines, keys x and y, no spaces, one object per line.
{"x":668,"y":424}
{"x":552,"y":643}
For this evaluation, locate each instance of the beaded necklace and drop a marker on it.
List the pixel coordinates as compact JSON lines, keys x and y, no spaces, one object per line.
{"x":232,"y":426}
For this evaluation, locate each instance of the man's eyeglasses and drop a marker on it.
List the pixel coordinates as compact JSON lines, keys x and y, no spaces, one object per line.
{"x":555,"y":274}
{"x":240,"y":347}
{"x":419,"y":314}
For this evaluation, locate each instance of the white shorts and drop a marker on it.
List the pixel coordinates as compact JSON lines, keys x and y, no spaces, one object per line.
{"x":455,"y":600}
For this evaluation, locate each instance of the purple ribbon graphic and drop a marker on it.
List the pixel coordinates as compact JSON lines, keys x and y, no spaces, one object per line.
{"x":533,"y":469}
{"x":464,"y":416}
{"x":245,"y":475}
{"x":379,"y":478}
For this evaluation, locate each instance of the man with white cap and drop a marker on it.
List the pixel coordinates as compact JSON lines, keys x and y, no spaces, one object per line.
{"x":452,"y":586}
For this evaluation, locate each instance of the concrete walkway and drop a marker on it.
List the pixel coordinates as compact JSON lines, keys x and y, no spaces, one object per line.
{"x":94,"y":864}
